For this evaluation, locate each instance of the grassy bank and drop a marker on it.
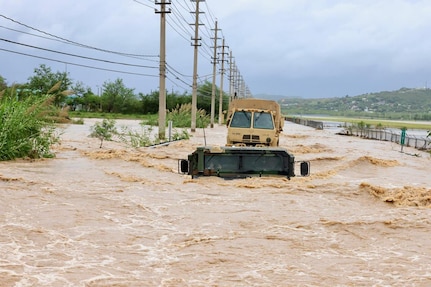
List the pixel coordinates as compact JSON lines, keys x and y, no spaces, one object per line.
{"x":26,"y":128}
{"x":99,"y":115}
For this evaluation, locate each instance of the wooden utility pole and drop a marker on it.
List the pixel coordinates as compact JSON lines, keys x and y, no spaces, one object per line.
{"x":236,"y":82}
{"x":230,"y":77}
{"x":162,"y":69}
{"x":220,"y":106}
{"x":195,"y":68}
{"x":214,"y":77}
{"x":243,"y":87}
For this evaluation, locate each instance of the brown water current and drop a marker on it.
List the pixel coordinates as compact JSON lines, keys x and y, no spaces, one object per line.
{"x":119,"y":216}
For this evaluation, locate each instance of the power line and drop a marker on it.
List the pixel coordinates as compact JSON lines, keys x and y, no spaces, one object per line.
{"x":187,"y":76}
{"x":179,"y":23}
{"x":73,"y":42}
{"x":140,"y":57}
{"x":139,"y":2}
{"x":79,"y":65}
{"x":78,"y":56}
{"x":181,"y":20}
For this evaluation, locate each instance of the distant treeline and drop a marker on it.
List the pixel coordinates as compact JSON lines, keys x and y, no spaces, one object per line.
{"x":406,"y":104}
{"x":111,"y":97}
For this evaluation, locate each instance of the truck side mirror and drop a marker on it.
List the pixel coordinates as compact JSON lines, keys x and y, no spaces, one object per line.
{"x":305,"y":168}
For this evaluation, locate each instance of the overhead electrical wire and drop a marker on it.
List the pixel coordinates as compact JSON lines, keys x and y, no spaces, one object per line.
{"x":73,"y":42}
{"x":79,"y":65}
{"x":64,"y":42}
{"x":181,"y":24}
{"x":139,"y":2}
{"x":177,"y":84}
{"x":78,"y":56}
{"x":181,"y":21}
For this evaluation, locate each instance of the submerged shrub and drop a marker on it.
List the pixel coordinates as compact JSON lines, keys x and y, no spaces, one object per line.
{"x":24,"y":128}
{"x":135,"y":138}
{"x":104,"y":130}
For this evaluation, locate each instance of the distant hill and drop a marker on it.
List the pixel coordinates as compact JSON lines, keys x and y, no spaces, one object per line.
{"x":404,"y":103}
{"x":269,"y":97}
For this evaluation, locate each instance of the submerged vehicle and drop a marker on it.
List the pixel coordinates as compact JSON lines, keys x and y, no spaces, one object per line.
{"x":252,"y":145}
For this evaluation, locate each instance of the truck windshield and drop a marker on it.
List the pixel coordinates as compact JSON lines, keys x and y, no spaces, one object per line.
{"x":263,"y":120}
{"x":241,"y":119}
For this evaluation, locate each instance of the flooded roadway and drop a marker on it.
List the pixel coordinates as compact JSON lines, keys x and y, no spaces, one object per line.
{"x":119,"y":216}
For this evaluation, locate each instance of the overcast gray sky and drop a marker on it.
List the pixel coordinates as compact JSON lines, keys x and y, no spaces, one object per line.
{"x":303,"y":48}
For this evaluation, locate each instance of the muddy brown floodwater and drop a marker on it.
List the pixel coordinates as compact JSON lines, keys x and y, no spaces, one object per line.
{"x":119,"y":216}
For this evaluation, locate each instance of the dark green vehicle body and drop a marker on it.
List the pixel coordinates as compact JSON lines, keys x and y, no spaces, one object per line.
{"x":237,"y":162}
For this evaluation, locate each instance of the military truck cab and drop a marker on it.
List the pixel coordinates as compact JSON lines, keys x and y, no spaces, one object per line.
{"x":254,"y":122}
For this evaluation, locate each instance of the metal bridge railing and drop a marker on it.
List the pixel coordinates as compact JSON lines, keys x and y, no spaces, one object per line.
{"x":420,"y":143}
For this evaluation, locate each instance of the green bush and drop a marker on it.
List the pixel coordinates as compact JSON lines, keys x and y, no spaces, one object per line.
{"x":24,"y":127}
{"x":104,"y":130}
{"x":181,"y":116}
{"x":136,"y":139}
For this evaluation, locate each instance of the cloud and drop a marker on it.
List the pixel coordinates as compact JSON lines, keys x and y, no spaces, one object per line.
{"x":280,"y":47}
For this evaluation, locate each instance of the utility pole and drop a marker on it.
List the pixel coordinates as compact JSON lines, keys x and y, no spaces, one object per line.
{"x":220,"y":106}
{"x":230,"y":77}
{"x":162,"y":69}
{"x":195,"y":68}
{"x":243,"y":88}
{"x":248,"y":92}
{"x":237,"y":82}
{"x":214,"y":77}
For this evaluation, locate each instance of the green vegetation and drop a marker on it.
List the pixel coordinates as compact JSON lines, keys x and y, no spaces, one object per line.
{"x":146,"y":137}
{"x":181,"y":116}
{"x":103,"y":130}
{"x":102,"y":115}
{"x":26,"y":128}
{"x":404,"y":104}
{"x":106,"y":130}
{"x":29,"y":110}
{"x":112,"y":98}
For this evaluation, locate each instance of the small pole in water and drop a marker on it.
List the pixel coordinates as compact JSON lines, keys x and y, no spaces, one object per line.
{"x":205,"y":138}
{"x":170,"y":131}
{"x":403,"y":138}
{"x":203,"y":128}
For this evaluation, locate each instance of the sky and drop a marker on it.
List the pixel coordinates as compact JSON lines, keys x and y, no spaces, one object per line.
{"x":292,"y":48}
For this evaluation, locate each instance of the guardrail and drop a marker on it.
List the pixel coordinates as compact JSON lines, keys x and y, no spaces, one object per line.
{"x":420,"y":143}
{"x":310,"y":123}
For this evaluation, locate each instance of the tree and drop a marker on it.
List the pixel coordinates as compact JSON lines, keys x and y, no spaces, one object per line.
{"x":204,"y":98}
{"x":83,"y":98}
{"x":174,"y":100}
{"x":44,"y":79}
{"x":104,"y":130}
{"x":79,"y":89}
{"x":3,"y":84}
{"x":90,"y":101}
{"x":150,"y":103}
{"x":116,"y":98}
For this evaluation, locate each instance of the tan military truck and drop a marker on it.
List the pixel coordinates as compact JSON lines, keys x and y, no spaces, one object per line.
{"x":254,"y":122}
{"x":252,"y":149}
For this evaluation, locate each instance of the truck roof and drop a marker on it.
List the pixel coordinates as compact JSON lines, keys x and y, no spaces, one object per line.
{"x":254,"y":104}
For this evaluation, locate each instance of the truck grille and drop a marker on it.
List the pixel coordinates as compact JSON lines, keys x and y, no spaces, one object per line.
{"x":251,"y":138}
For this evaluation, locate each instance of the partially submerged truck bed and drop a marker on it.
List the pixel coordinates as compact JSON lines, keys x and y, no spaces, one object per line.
{"x":234,"y":162}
